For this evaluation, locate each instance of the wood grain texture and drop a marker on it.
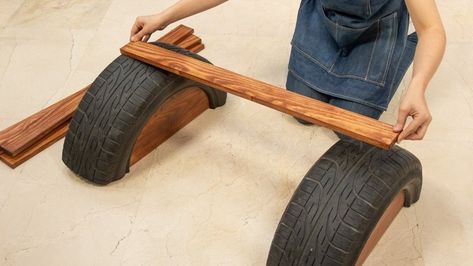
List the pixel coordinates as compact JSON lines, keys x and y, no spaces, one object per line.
{"x":384,"y":222}
{"x":349,"y":123}
{"x":177,"y":35}
{"x":19,"y":137}
{"x":197,"y":48}
{"x":20,"y":142}
{"x":179,"y":110}
{"x":190,"y":42}
{"x":38,"y":146}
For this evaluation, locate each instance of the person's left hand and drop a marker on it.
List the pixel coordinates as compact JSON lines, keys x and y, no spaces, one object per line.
{"x":413,"y":104}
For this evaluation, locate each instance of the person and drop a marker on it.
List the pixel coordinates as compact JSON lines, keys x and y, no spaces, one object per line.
{"x":351,"y":53}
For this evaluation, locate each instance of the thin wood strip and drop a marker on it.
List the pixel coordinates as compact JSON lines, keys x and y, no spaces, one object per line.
{"x":25,"y":133}
{"x":49,"y":135}
{"x":190,"y":42}
{"x":38,"y":146}
{"x":177,"y":35}
{"x":349,"y":123}
{"x":185,"y":40}
{"x":197,"y":48}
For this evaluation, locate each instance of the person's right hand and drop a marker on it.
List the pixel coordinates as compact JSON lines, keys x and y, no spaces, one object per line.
{"x":145,"y":26}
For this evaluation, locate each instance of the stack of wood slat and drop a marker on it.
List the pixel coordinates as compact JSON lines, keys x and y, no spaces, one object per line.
{"x":25,"y":139}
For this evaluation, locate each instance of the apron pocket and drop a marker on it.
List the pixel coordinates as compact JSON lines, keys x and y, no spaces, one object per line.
{"x":369,"y":57}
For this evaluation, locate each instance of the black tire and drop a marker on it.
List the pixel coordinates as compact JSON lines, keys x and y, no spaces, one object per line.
{"x":112,"y":113}
{"x":340,"y":200}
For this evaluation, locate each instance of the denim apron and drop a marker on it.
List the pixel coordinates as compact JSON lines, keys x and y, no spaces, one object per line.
{"x":356,"y":50}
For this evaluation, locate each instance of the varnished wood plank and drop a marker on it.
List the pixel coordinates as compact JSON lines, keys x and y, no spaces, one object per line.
{"x":25,"y":133}
{"x":197,"y":48}
{"x":349,"y":123}
{"x":38,"y":146}
{"x":177,"y":35}
{"x":383,"y":224}
{"x":179,"y":110}
{"x":190,"y":42}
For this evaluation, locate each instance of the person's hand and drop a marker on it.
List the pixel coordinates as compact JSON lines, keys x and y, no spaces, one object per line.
{"x":414,"y":105}
{"x":145,"y":26}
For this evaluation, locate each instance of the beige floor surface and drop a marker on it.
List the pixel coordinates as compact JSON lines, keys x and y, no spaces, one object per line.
{"x":214,"y":193}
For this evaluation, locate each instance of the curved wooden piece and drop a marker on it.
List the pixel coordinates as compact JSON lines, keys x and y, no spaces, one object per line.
{"x":178,"y":111}
{"x":386,"y":219}
{"x":349,"y":123}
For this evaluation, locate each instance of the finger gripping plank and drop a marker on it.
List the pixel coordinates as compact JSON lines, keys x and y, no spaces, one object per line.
{"x":349,"y":123}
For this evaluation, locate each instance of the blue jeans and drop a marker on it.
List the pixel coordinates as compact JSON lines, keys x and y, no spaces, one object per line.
{"x":296,"y":85}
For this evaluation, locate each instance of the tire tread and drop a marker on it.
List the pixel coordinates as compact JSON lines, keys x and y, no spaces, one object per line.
{"x":339,"y":201}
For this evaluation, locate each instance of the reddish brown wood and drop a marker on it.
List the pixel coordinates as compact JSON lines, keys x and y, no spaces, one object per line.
{"x":386,"y":219}
{"x":25,"y":139}
{"x":25,"y":133}
{"x":177,"y":35}
{"x":38,"y":146}
{"x":349,"y":123}
{"x":197,"y":48}
{"x":190,"y":42}
{"x":179,"y":110}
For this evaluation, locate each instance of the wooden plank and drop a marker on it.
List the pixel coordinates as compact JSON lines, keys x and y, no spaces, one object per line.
{"x":177,"y":35}
{"x":38,"y":146}
{"x":349,"y":123}
{"x":18,"y":137}
{"x":190,"y":42}
{"x":197,"y":48}
{"x":178,"y":111}
{"x":37,"y":132}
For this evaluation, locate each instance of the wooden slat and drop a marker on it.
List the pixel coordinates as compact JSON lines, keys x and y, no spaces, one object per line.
{"x":190,"y":42}
{"x":349,"y":123}
{"x":197,"y":48}
{"x":25,"y":133}
{"x":38,"y":146}
{"x":37,"y":132}
{"x":177,"y":35}
{"x":178,"y":111}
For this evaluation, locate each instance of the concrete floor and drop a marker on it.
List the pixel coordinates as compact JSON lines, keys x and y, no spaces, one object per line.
{"x":214,"y":193}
